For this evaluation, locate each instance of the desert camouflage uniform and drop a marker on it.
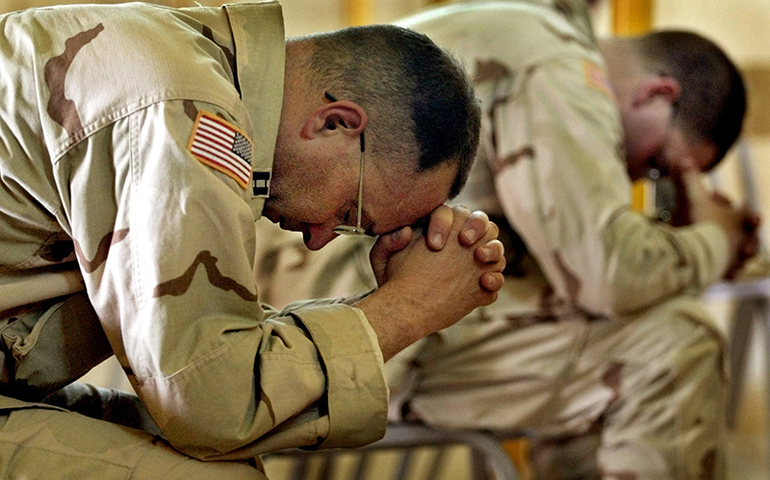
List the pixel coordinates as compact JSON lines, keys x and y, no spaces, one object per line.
{"x":100,"y":190}
{"x":598,"y":328}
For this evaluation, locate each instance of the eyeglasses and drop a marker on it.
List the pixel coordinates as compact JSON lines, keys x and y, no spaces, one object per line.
{"x":348,"y":229}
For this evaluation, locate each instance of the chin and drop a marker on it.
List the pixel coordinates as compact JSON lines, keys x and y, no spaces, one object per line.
{"x":270,"y":214}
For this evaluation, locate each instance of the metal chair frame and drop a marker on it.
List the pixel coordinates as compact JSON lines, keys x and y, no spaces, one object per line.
{"x":751,"y":309}
{"x":489,"y":460}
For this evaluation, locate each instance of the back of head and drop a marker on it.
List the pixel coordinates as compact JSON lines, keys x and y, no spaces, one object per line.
{"x":712,"y":104}
{"x":418,"y":98}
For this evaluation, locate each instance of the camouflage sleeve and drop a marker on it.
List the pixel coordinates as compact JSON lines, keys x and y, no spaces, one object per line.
{"x":561,"y":179}
{"x":169,"y":270}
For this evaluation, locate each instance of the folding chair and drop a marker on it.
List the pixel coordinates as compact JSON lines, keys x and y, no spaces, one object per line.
{"x":404,"y":442}
{"x":751,"y":297}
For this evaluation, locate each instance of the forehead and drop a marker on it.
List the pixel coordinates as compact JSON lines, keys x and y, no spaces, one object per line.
{"x":680,"y":145}
{"x":403,"y":197}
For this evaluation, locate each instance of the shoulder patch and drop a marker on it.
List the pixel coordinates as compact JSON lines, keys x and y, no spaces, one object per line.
{"x":596,"y":77}
{"x":222,"y":146}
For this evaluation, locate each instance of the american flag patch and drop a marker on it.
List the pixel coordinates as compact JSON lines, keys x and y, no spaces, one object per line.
{"x":596,"y":77}
{"x":222,"y":146}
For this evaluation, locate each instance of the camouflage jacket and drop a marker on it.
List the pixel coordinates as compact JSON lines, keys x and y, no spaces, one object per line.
{"x":552,"y":165}
{"x":110,"y":181}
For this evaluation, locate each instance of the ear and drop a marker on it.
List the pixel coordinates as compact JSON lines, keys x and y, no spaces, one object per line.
{"x":342,"y":116}
{"x":655,"y":88}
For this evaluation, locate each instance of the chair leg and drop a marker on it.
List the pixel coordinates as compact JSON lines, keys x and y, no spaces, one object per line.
{"x":327,"y":467}
{"x":740,"y":342}
{"x":478,"y":466}
{"x":405,"y":464}
{"x":765,"y":305}
{"x":438,"y":460}
{"x":300,"y":468}
{"x":363,"y":465}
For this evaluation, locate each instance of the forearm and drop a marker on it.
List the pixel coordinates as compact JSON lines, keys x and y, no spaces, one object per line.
{"x":395,"y":320}
{"x":650,"y":262}
{"x":423,"y":290}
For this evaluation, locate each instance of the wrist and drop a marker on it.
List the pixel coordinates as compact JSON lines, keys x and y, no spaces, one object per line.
{"x":393,"y":320}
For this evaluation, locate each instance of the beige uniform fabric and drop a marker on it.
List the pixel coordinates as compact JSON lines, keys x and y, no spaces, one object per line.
{"x":598,"y":327}
{"x":99,"y":192}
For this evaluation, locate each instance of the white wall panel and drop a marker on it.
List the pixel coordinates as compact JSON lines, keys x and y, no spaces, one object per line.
{"x":741,"y":26}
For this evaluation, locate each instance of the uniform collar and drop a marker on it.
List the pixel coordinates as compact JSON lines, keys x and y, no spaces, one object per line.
{"x":260,"y":53}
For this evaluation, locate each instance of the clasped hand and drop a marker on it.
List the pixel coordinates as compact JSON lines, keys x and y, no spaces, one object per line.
{"x":446,"y":225}
{"x":740,"y":223}
{"x":429,"y":280}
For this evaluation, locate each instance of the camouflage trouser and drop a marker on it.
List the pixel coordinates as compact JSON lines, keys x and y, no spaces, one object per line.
{"x":650,"y":388}
{"x":42,"y":441}
{"x":54,"y":429}
{"x":46,"y":346}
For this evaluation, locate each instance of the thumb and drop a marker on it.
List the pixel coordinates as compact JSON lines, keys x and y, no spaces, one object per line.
{"x":386,"y":245}
{"x":685,"y":177}
{"x":683,"y":169}
{"x":690,"y":178}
